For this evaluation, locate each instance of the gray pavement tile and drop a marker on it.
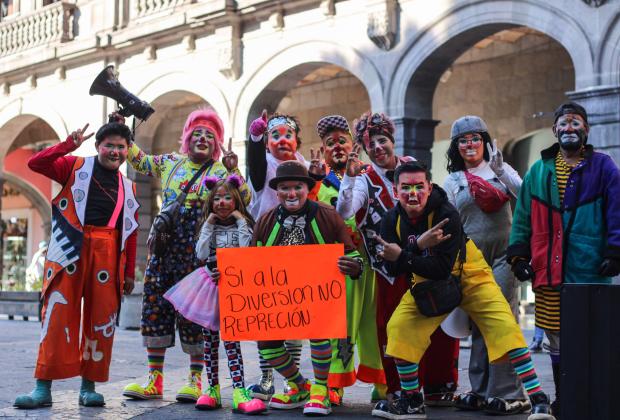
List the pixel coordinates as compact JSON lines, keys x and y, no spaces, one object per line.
{"x":18,"y":345}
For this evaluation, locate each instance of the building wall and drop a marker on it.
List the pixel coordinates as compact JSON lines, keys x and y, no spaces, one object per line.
{"x":344,"y":95}
{"x":506,"y":84}
{"x":229,"y":54}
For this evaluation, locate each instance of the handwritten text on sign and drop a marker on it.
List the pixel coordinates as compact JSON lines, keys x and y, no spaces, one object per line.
{"x":282,"y":292}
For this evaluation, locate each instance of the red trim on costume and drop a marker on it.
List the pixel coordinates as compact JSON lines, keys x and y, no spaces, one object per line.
{"x":341,"y":380}
{"x":370,"y":375}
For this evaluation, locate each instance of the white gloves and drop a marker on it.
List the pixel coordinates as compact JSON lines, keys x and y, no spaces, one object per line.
{"x":496,"y":160}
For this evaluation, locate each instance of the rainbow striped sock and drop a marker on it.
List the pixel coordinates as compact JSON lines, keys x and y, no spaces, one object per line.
{"x":408,"y":374}
{"x":522,"y":363}
{"x":281,"y":360}
{"x":155,"y":359}
{"x":196,"y":362}
{"x":321,"y":355}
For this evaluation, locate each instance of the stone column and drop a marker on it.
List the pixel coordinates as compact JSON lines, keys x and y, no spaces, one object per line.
{"x":414,"y":137}
{"x":603,"y":106}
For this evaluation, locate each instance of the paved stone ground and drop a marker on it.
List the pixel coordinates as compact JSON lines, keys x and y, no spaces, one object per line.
{"x":18,"y":349}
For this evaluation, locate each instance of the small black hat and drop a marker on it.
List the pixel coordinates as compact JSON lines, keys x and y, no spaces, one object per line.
{"x":291,"y":170}
{"x":570,"y":108}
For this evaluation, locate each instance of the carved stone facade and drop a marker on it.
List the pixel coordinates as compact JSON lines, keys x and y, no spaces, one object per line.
{"x":240,"y":56}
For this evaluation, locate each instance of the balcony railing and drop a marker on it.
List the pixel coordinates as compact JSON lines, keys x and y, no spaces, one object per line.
{"x":53,"y":23}
{"x":140,"y":8}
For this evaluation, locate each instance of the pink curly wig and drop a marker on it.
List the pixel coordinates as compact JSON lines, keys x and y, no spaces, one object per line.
{"x":208,"y":118}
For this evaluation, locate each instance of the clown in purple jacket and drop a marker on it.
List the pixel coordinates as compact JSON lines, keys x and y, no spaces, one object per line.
{"x":566,"y":226}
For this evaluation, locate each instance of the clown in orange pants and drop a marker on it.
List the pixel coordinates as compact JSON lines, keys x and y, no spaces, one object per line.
{"x":89,"y":262}
{"x":94,"y":277}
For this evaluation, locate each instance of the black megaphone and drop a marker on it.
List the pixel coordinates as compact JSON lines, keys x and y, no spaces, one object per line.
{"x":107,"y":84}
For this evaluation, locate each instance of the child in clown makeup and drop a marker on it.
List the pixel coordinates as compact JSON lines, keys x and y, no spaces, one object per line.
{"x":227,"y":225}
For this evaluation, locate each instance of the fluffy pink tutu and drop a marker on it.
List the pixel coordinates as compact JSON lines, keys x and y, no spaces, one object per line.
{"x":196,"y":298}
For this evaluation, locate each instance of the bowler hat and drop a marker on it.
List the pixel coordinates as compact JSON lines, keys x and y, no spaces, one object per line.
{"x":291,"y":170}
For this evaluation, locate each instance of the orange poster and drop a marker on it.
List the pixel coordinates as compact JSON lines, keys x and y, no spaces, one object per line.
{"x":282,"y":292}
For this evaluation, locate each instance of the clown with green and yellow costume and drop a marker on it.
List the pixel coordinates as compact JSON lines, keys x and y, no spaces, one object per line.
{"x":337,"y":143}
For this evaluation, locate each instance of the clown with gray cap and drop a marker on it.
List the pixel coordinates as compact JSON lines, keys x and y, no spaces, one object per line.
{"x":474,"y":161}
{"x":337,"y":143}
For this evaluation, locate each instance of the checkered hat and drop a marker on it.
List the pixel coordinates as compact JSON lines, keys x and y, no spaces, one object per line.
{"x":330,"y":122}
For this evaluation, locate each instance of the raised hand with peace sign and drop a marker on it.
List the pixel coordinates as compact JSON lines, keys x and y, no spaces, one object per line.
{"x":496,"y":160}
{"x":354,"y":164}
{"x":78,"y":136}
{"x":230,"y":160}
{"x":317,"y":164}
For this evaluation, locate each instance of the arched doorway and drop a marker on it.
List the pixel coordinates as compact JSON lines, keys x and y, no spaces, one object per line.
{"x":513,"y":79}
{"x":26,"y":197}
{"x":311,"y":91}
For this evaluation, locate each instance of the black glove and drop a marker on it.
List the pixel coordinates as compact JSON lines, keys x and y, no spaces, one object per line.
{"x":523,"y":270}
{"x":610,"y":267}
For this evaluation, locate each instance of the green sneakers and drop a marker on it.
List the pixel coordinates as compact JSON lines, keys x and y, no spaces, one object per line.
{"x":294,"y":398}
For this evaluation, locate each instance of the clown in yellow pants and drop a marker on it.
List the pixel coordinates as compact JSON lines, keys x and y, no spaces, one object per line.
{"x":409,"y":331}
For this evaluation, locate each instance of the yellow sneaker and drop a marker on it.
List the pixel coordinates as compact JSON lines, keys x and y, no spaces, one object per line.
{"x":190,"y":392}
{"x":319,"y":404}
{"x":152,"y":389}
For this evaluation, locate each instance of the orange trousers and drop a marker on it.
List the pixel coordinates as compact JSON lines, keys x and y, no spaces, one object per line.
{"x":63,"y":353}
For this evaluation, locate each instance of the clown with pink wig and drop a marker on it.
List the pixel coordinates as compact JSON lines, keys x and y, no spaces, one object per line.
{"x":201,"y":147}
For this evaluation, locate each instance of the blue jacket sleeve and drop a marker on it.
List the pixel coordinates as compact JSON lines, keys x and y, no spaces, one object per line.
{"x":612,"y":208}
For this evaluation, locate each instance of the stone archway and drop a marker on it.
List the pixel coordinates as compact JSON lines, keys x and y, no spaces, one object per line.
{"x":431,"y":51}
{"x":313,"y":54}
{"x":311,"y":91}
{"x":23,"y":135}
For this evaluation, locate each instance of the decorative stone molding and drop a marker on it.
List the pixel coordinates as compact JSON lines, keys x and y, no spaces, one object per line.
{"x":229,"y":51}
{"x":383,"y":24}
{"x":150,"y":53}
{"x":595,"y":3}
{"x":189,"y":42}
{"x":139,"y":8}
{"x":328,"y":7}
{"x":61,"y":73}
{"x":32,"y":81}
{"x":5,"y":88}
{"x":277,"y":20}
{"x":53,"y":23}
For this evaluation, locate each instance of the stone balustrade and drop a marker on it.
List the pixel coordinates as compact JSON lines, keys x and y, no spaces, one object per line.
{"x":53,"y":23}
{"x":140,"y":8}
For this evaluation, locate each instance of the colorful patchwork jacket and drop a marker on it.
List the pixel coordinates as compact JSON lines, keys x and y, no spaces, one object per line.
{"x":567,"y":241}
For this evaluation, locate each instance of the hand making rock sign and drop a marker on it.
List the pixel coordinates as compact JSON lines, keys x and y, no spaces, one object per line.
{"x":431,"y":238}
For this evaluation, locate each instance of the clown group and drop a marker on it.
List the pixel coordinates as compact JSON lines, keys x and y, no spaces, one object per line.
{"x":399,"y":230}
